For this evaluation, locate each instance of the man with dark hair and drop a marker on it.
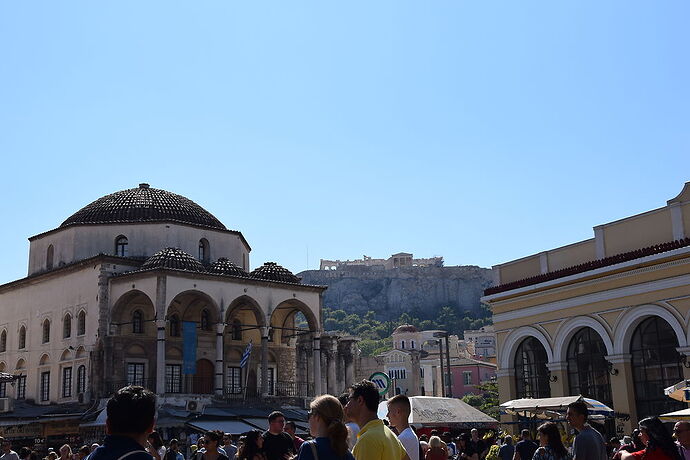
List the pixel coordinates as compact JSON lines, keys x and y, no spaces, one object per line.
{"x":291,"y":429}
{"x":278,"y":444}
{"x":525,"y":449}
{"x":7,"y":452}
{"x":588,"y":444}
{"x":352,"y":427}
{"x":131,"y":414}
{"x":399,"y":410}
{"x":375,"y":441}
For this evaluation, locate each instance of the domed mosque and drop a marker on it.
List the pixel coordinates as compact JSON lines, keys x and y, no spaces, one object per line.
{"x":146,"y":287}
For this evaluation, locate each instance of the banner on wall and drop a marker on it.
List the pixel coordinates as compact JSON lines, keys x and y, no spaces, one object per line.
{"x":189,"y":347}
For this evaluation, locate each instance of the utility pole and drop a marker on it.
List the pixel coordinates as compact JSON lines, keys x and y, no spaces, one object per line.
{"x":443,"y":376}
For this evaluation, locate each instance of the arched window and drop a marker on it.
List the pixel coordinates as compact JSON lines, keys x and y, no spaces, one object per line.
{"x":121,"y":246}
{"x":137,"y":322}
{"x":67,"y":326}
{"x":205,"y":320}
{"x":49,"y":257}
{"x":203,"y":250}
{"x":22,"y":338}
{"x":46,"y":331}
{"x":655,"y":365}
{"x":3,"y":341}
{"x":402,"y":344}
{"x":174,"y":326}
{"x":588,"y":373}
{"x":81,"y":323}
{"x":236,"y":330}
{"x":531,"y":373}
{"x":81,"y":379}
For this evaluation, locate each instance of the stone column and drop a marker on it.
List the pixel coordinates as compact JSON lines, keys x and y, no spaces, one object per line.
{"x":317,"y":366}
{"x":506,"y":392}
{"x":160,"y":357}
{"x":415,"y":377}
{"x":558,"y":380}
{"x":332,"y":356}
{"x":264,"y":361}
{"x":161,"y":302}
{"x":350,"y":366}
{"x":220,"y":364}
{"x":623,"y":392}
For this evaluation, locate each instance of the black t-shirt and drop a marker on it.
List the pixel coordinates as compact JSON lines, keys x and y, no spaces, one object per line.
{"x":526,"y":449}
{"x":478,"y":446}
{"x":277,"y":445}
{"x":467,"y":451}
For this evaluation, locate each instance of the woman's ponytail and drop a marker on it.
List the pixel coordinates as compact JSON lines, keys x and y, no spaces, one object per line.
{"x":337,"y":433}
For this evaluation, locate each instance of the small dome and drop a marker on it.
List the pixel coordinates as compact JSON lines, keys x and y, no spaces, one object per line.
{"x":271,"y":271}
{"x":223,"y":266}
{"x":174,"y":258}
{"x":143,"y":204}
{"x":405,"y":328}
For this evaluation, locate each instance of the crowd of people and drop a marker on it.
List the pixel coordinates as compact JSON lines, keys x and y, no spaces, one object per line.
{"x":348,"y":428}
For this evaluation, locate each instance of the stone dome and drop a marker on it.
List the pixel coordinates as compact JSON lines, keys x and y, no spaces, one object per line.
{"x":271,"y":271}
{"x":223,"y":266}
{"x":143,"y":204}
{"x":174,"y":258}
{"x":405,"y":328}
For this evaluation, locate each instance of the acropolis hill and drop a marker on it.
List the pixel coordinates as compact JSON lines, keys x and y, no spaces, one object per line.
{"x":399,"y":284}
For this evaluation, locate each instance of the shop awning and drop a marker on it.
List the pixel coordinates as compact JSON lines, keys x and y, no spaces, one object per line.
{"x":677,"y":416}
{"x":550,"y":407}
{"x":436,"y":411}
{"x":226,"y":426}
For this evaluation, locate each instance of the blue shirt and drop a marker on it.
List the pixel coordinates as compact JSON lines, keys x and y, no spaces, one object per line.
{"x":323,"y":450}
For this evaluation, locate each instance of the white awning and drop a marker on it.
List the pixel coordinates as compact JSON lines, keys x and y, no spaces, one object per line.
{"x":432,"y":410}
{"x":226,"y":426}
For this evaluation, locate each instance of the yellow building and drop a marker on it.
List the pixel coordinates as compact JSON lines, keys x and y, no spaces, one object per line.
{"x":608,"y":317}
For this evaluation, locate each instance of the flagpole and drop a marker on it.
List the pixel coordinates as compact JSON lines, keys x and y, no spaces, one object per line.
{"x":246,"y":373}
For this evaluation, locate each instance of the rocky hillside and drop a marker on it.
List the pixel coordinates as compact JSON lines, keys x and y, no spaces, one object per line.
{"x":420,"y":291}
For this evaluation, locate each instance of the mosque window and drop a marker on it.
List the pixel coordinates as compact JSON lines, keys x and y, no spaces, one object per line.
{"x":531,"y":373}
{"x":203,"y":250}
{"x":67,"y":382}
{"x":67,"y":326}
{"x":45,"y":386}
{"x":46,"y":331}
{"x":49,"y":257}
{"x":138,"y":322}
{"x":402,"y":344}
{"x":22,"y":338}
{"x":236,"y":330}
{"x":81,"y":379}
{"x":121,"y":244}
{"x":81,"y":323}
{"x":656,"y":365}
{"x":3,"y":341}
{"x":174,"y":326}
{"x":205,"y":320}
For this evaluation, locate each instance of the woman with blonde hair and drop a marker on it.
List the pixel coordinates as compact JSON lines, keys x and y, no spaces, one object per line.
{"x":436,"y":451}
{"x":327,"y":426}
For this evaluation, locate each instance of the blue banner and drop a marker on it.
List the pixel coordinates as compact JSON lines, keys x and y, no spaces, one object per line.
{"x":189,"y":347}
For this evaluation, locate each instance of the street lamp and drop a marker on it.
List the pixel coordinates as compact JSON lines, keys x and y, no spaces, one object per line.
{"x":444,"y":334}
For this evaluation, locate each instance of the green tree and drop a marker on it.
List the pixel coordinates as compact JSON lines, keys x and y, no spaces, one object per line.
{"x":487,"y":400}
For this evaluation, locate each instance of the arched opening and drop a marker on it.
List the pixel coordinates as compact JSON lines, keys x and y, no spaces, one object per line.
{"x":3,"y":341}
{"x":531,"y":373}
{"x":46,"y":331}
{"x":587,"y":368}
{"x":81,"y":323}
{"x":22,"y":338}
{"x":121,"y":246}
{"x":67,"y":326}
{"x":655,"y":365}
{"x":21,"y":380}
{"x":133,"y":314}
{"x":204,"y":251}
{"x":49,"y":257}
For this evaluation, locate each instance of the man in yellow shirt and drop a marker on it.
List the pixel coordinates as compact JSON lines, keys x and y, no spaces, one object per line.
{"x":375,"y":441}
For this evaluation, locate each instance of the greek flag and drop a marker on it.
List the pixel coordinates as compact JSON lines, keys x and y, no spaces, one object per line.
{"x":247,"y":353}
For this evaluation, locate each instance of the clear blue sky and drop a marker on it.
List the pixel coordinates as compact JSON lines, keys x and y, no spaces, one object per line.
{"x":480,"y":131}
